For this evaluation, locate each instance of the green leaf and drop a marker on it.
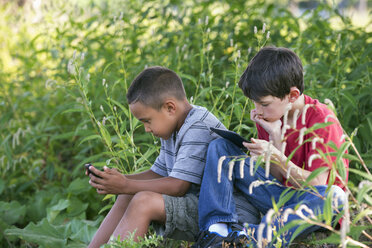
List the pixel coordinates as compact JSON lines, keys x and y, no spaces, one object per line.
{"x":54,"y":211}
{"x":91,"y":137}
{"x":78,"y":186}
{"x":316,"y":173}
{"x":12,"y":212}
{"x":43,"y":234}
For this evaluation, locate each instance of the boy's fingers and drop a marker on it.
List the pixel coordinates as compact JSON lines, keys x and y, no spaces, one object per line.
{"x":97,"y":171}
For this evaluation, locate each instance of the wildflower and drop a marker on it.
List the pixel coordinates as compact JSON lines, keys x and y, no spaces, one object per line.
{"x":121,"y":15}
{"x":238,"y":54}
{"x":191,"y":99}
{"x":268,"y":35}
{"x":316,"y":139}
{"x":227,"y":84}
{"x":307,"y":209}
{"x":206,"y":20}
{"x":208,"y":30}
{"x":327,"y":117}
{"x":251,"y":164}
{"x":304,"y":113}
{"x":199,"y":21}
{"x":231,"y":42}
{"x":312,"y":157}
{"x":259,"y":235}
{"x":104,"y":120}
{"x":294,"y":120}
{"x":255,"y":30}
{"x":286,"y":213}
{"x":219,"y":168}
{"x":301,"y":136}
{"x":364,"y":182}
{"x":343,"y":137}
{"x":87,"y":77}
{"x":114,"y":108}
{"x":227,"y":95}
{"x":263,"y":28}
{"x":255,"y":184}
{"x":101,"y":108}
{"x":284,"y":145}
{"x":289,"y":170}
{"x":249,"y":50}
{"x":103,"y":82}
{"x":329,"y":102}
{"x":82,"y":56}
{"x":241,"y":168}
{"x":231,"y":168}
{"x":209,"y":46}
{"x":268,"y":157}
{"x":71,"y":67}
{"x":74,"y":55}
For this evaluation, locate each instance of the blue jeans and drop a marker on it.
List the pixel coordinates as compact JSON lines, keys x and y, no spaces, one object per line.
{"x":216,"y":203}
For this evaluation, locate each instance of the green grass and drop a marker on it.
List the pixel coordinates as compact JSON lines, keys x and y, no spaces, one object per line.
{"x":49,"y":116}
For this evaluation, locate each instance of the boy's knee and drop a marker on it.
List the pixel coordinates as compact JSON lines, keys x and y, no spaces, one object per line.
{"x":338,"y":195}
{"x":144,"y":200}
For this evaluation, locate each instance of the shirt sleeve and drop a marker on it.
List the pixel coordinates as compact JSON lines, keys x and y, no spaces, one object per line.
{"x":159,"y":166}
{"x":191,"y":155}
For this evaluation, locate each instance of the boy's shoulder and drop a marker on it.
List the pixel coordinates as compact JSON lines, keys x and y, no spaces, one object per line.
{"x":199,"y":118}
{"x":316,"y":112}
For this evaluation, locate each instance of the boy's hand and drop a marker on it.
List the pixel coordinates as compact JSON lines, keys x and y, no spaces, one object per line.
{"x":111,"y":181}
{"x":272,"y":128}
{"x":259,"y":147}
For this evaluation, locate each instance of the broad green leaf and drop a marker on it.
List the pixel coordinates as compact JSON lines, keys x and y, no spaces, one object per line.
{"x":11,"y":212}
{"x":78,"y":186}
{"x":43,"y":234}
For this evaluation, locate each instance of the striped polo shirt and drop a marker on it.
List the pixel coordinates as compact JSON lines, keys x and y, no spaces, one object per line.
{"x":183,"y":155}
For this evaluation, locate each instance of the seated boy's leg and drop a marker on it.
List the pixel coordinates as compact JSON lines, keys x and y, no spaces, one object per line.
{"x":216,"y":202}
{"x":145,"y":207}
{"x":181,"y":218}
{"x":314,"y":206}
{"x":111,"y":220}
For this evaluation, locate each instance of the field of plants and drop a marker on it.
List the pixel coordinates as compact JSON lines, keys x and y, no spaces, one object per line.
{"x":65,"y":67}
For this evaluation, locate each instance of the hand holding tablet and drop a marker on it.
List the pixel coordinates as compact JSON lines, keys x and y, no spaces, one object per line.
{"x":231,"y":136}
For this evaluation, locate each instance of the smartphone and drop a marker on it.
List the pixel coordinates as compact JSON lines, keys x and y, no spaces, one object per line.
{"x":89,"y":171}
{"x":231,"y":136}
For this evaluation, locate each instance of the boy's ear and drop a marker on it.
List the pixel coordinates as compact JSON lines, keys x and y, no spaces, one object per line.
{"x":294,"y":94}
{"x":170,"y":106}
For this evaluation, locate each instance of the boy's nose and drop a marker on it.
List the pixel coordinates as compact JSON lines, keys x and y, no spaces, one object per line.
{"x":147,"y":129}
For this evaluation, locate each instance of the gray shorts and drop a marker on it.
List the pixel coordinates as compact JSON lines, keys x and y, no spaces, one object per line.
{"x":182,"y":216}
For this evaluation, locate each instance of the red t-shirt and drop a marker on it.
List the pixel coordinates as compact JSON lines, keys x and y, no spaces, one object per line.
{"x":316,"y":113}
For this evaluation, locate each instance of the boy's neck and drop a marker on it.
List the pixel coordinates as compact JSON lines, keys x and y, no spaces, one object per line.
{"x":185,"y":108}
{"x":298,"y":104}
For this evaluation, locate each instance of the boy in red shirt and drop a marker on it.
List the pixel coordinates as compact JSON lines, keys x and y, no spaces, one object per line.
{"x":292,"y":148}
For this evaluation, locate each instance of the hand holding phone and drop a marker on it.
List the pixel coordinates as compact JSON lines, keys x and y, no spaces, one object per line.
{"x":87,"y":166}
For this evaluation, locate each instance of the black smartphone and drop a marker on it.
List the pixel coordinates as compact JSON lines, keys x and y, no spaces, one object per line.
{"x":89,"y":171}
{"x":231,"y":136}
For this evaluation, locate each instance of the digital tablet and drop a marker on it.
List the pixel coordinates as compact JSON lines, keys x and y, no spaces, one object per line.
{"x":231,"y":136}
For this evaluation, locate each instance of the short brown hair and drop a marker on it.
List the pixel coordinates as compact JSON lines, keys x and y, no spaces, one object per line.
{"x":153,"y":85}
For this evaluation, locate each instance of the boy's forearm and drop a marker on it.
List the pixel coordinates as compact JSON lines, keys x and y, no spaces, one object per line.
{"x":296,"y":174}
{"x":165,"y":185}
{"x":145,"y":175}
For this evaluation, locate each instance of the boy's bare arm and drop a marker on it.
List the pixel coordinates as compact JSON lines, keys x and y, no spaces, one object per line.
{"x":280,"y":166}
{"x":113,"y":182}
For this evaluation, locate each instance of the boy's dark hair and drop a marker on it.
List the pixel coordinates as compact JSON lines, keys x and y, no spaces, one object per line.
{"x":272,"y":71}
{"x":153,"y":85}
